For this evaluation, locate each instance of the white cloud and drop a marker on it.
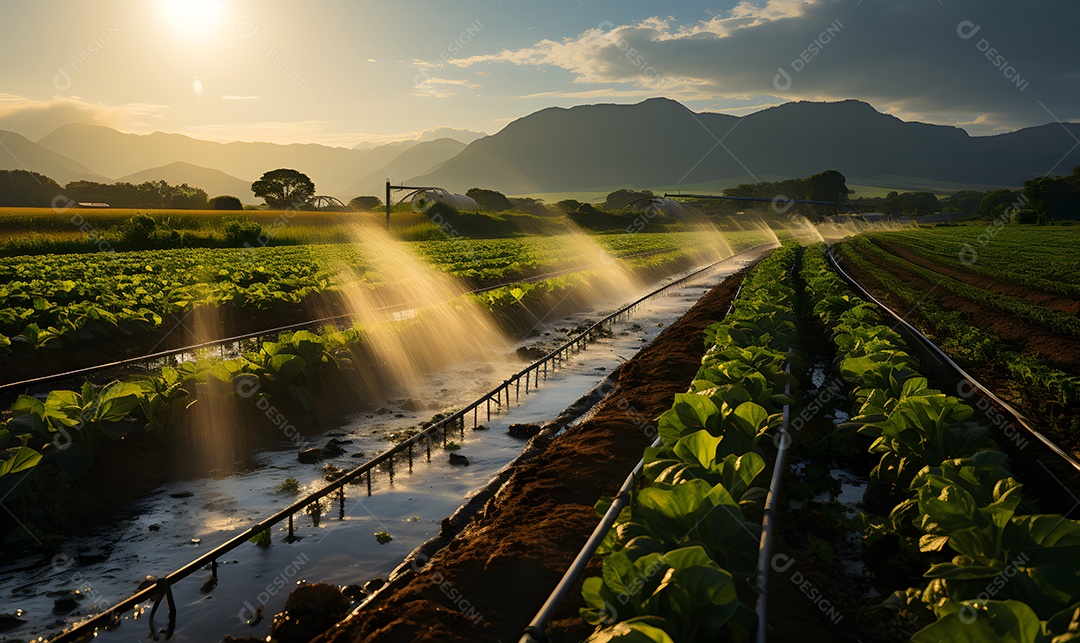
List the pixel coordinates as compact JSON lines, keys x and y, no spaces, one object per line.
{"x":34,"y":119}
{"x":907,"y":58}
{"x":234,"y":97}
{"x":442,"y":87}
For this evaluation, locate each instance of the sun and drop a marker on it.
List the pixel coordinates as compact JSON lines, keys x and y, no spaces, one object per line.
{"x":192,"y":17}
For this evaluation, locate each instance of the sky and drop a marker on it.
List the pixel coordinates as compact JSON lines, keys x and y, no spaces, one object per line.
{"x":341,"y":72}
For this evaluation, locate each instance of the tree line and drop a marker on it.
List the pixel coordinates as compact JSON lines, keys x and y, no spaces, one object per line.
{"x":1040,"y":200}
{"x":22,"y":188}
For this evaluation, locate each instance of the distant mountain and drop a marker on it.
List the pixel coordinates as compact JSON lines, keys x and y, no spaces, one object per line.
{"x":660,"y":142}
{"x":462,"y":135}
{"x":18,"y":153}
{"x":214,"y":182}
{"x":419,"y":158}
{"x":114,"y":153}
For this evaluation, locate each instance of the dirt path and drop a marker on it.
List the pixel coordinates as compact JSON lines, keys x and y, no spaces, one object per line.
{"x":490,"y":581}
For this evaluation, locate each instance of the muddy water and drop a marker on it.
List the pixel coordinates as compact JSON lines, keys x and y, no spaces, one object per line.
{"x":179,"y":521}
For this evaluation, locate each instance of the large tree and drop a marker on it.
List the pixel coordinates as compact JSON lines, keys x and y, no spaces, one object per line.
{"x":284,"y":188}
{"x":490,"y":200}
{"x":27,"y":189}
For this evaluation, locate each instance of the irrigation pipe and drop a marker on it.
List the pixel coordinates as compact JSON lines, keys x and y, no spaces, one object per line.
{"x":534,"y":633}
{"x":768,"y":520}
{"x":1019,"y":417}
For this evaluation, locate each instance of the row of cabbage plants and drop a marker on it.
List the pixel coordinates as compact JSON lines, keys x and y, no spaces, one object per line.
{"x":996,"y":569}
{"x":677,"y":562}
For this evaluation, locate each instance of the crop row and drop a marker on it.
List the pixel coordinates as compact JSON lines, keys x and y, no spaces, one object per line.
{"x":1039,"y":257}
{"x":973,"y":345}
{"x":1048,"y":319}
{"x":996,"y":570}
{"x":1011,"y":265}
{"x":61,"y":300}
{"x":64,"y":429}
{"x":678,"y":558}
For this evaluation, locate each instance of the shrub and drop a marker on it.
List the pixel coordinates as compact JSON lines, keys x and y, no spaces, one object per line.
{"x":138,"y":230}
{"x":239,"y":232}
{"x":226,"y":202}
{"x":366,"y":203}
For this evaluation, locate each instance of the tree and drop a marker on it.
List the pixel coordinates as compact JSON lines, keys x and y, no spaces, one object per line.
{"x":995,"y":202}
{"x":226,"y":202}
{"x":366,"y":203}
{"x":919,"y":203}
{"x":965,"y":202}
{"x":1053,"y":197}
{"x":568,"y":205}
{"x":829,"y":185}
{"x":284,"y":188}
{"x":20,"y":188}
{"x":490,"y":200}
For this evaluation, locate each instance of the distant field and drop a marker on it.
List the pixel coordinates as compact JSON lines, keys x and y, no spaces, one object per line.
{"x":16,"y":220}
{"x":1002,"y":301}
{"x":862,"y":190}
{"x":42,"y":230}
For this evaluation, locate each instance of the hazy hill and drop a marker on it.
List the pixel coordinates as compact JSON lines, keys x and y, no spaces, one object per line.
{"x":419,"y":158}
{"x":463,"y":136}
{"x":18,"y":153}
{"x":661,"y":142}
{"x":114,"y":153}
{"x":214,"y":182}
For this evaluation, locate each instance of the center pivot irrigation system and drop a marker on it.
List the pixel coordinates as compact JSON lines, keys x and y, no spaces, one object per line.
{"x":424,"y":197}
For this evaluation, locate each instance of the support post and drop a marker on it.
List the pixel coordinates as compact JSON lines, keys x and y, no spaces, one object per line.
{"x":387,"y":205}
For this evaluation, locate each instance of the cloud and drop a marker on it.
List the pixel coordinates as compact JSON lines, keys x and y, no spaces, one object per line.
{"x":908,"y":58}
{"x":441,"y":87}
{"x":34,"y":119}
{"x":233,"y":97}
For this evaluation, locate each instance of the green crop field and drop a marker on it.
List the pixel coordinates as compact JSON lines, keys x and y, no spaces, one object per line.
{"x":1002,"y":301}
{"x":62,"y":300}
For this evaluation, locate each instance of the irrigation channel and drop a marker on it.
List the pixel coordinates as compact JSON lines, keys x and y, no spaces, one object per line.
{"x":181,"y":528}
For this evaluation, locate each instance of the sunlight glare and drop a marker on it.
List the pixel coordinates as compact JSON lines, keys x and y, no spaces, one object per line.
{"x":192,"y":17}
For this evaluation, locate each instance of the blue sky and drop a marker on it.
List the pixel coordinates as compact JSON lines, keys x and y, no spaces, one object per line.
{"x":343,"y":71}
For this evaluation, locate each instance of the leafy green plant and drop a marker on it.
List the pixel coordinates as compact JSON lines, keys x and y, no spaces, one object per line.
{"x":683,"y":586}
{"x":289,"y":485}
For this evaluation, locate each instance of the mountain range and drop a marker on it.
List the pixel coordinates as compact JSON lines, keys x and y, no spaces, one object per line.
{"x":660,"y":142}
{"x":655,"y":143}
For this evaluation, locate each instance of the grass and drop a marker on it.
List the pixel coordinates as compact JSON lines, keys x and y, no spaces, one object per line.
{"x":33,"y":231}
